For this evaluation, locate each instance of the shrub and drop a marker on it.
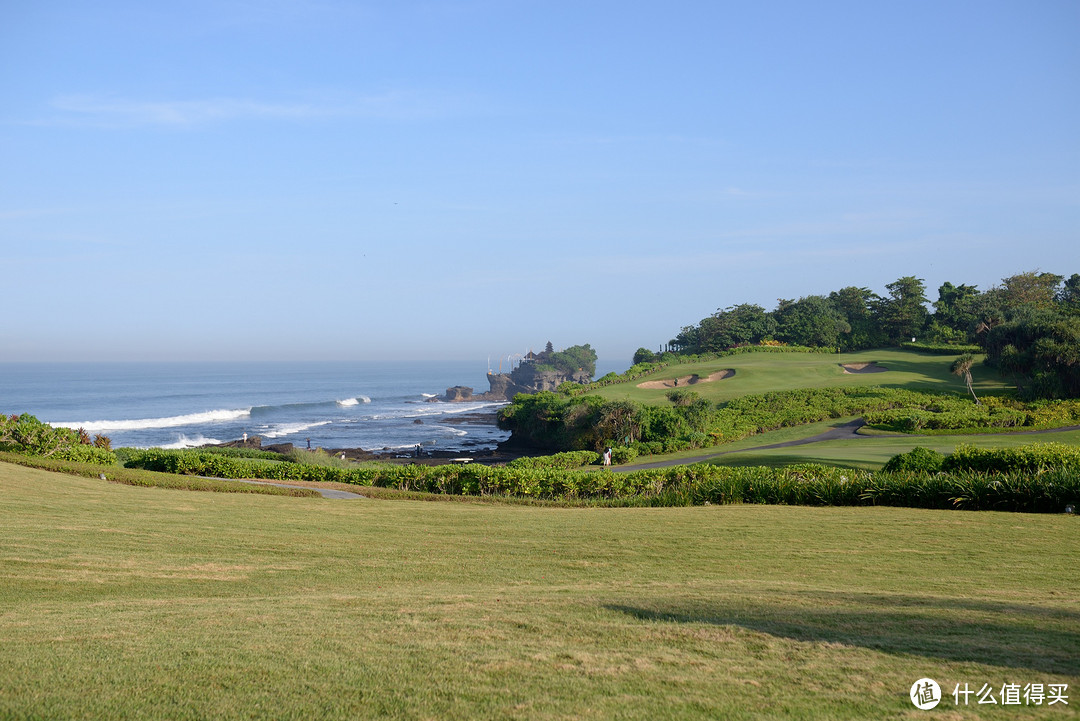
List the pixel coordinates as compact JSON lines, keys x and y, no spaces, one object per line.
{"x":26,"y":434}
{"x":238,"y":452}
{"x":648,"y":448}
{"x":566,"y":460}
{"x":1034,"y":458}
{"x":87,"y":454}
{"x":918,"y":459}
{"x":623,"y":454}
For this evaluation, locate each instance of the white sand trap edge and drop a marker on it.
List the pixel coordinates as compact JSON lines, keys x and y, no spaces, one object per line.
{"x":871,"y":367}
{"x":687,"y":380}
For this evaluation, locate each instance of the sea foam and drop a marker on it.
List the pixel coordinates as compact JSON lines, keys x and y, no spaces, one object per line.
{"x":185,"y":442}
{"x":287,"y":429}
{"x":191,"y":419}
{"x":353,"y":401}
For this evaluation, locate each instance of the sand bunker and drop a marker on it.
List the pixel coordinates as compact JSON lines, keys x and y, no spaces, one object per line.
{"x":870,"y":367}
{"x":687,"y":380}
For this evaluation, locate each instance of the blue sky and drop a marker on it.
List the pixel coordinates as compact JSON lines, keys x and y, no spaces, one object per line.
{"x":268,"y":179}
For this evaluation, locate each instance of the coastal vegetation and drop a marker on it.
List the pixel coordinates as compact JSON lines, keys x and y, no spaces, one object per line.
{"x":716,"y":390}
{"x":529,"y":597}
{"x":1031,"y":478}
{"x":809,"y":388}
{"x":789,"y":367}
{"x":1028,"y":327}
{"x":26,"y":434}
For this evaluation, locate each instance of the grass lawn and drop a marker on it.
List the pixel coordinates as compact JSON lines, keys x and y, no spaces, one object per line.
{"x":763,"y":372}
{"x":121,"y":602}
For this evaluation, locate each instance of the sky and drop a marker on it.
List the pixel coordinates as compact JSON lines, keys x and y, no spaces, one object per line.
{"x":331,"y":180}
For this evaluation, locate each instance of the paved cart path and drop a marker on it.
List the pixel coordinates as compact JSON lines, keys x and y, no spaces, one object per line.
{"x":326,"y":492}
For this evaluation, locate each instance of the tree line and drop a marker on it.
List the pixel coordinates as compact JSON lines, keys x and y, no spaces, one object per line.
{"x":1028,"y":326}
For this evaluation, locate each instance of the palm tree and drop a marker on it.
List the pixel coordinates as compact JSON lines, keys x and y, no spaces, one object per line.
{"x":962,"y":367}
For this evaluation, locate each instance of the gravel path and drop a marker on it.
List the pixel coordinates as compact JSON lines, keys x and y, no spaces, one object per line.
{"x":325,"y":492}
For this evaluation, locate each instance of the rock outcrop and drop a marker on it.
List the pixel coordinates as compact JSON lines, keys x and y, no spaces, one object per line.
{"x":458,"y":394}
{"x":525,"y":379}
{"x":537,"y":372}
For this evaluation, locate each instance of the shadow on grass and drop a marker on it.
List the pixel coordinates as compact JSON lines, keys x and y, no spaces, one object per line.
{"x":1017,"y":636}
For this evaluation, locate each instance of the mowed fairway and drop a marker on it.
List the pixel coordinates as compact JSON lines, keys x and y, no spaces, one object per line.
{"x":120,"y":602}
{"x":764,"y":372}
{"x":872,"y":452}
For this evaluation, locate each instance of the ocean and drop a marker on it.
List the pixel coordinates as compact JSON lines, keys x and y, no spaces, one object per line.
{"x":371,"y":405}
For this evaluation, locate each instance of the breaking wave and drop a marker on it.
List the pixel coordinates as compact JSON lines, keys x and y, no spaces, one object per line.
{"x":191,"y":419}
{"x":287,"y":429}
{"x":185,"y":442}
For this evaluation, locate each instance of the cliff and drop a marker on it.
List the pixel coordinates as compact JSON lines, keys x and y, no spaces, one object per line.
{"x":524,"y":379}
{"x":544,"y":371}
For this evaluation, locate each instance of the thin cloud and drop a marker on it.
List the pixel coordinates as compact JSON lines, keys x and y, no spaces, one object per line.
{"x":117,"y":111}
{"x":104,"y":111}
{"x":22,"y":213}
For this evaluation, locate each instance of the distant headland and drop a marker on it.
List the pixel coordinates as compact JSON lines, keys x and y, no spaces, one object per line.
{"x":532,"y":373}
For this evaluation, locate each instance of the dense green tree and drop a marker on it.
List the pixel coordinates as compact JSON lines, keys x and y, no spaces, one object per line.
{"x":1040,"y":348}
{"x":856,"y":307}
{"x":955,"y":307}
{"x":687,"y":341}
{"x":571,"y":361}
{"x":903,"y":315}
{"x":738,"y":325}
{"x":619,"y":421}
{"x":810,"y":321}
{"x":990,"y":311}
{"x":1069,"y":295}
{"x":1031,"y":288}
{"x":644,"y":355}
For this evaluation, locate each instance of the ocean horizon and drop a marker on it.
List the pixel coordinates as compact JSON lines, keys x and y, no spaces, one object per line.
{"x":374,"y":405}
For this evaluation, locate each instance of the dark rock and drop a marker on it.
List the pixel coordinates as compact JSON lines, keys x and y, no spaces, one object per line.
{"x":458,"y":394}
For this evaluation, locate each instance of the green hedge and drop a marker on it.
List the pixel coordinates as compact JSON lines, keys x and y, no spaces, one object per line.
{"x":565,"y":460}
{"x":962,"y":486}
{"x":86,"y":454}
{"x":1030,"y":459}
{"x":1054,"y":484}
{"x":950,"y":413}
{"x":943,"y":348}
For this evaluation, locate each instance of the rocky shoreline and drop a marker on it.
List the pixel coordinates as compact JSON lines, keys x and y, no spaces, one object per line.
{"x":502,"y":453}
